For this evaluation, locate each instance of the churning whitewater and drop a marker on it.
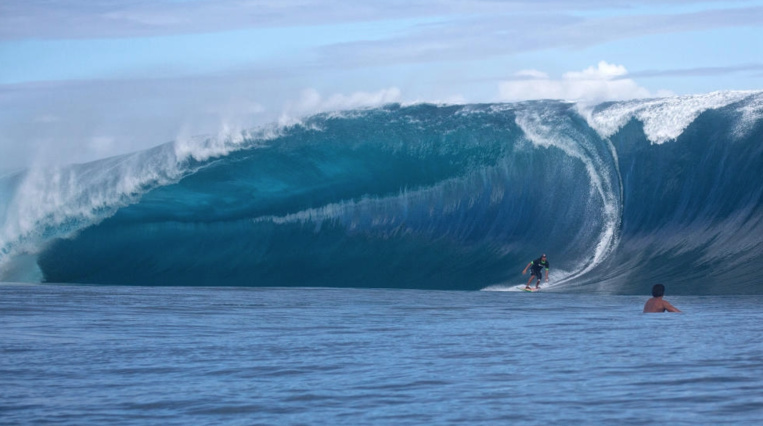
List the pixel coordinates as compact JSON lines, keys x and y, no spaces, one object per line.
{"x":619,"y":195}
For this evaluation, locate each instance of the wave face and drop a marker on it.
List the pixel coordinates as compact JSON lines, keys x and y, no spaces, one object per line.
{"x":620,"y":196}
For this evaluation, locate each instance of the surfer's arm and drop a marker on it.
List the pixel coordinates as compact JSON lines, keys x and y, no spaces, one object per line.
{"x":668,"y":307}
{"x":524,"y":271}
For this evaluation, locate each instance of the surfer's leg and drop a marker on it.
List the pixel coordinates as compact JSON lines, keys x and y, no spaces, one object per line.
{"x":533,"y":275}
{"x":539,"y":276}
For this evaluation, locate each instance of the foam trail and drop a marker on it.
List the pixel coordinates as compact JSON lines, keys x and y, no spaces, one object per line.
{"x":545,"y":129}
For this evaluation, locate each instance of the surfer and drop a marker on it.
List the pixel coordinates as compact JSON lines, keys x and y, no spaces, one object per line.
{"x":535,"y":271}
{"x":656,"y":304}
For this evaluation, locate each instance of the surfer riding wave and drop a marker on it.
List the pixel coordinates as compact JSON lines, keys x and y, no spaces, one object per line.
{"x":536,"y":267}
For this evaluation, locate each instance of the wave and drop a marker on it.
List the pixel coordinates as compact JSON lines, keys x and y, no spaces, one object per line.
{"x":619,"y":195}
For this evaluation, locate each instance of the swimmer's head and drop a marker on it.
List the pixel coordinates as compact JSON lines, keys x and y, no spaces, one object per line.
{"x":658,"y":290}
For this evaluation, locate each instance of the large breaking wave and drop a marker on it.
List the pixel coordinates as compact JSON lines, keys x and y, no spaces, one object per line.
{"x":619,"y":195}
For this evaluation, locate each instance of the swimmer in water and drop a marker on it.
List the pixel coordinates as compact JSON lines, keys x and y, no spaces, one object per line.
{"x":656,"y":303}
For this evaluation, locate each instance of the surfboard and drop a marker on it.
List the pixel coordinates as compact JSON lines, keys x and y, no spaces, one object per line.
{"x":530,"y":290}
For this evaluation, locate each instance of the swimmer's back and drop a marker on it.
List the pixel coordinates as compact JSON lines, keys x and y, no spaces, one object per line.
{"x":656,"y":304}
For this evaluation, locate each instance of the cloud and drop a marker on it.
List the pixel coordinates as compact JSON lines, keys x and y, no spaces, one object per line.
{"x":21,"y":19}
{"x":605,"y":82}
{"x":531,"y":74}
{"x":519,"y":27}
{"x":43,"y":19}
{"x":751,"y":69}
{"x":603,"y":71}
{"x":352,"y":36}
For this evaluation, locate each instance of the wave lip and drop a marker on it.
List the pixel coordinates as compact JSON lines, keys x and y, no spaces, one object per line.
{"x":664,"y":119}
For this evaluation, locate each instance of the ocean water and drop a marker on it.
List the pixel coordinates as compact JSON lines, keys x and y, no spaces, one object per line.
{"x":443,"y":197}
{"x":361,"y":267}
{"x":81,"y":355}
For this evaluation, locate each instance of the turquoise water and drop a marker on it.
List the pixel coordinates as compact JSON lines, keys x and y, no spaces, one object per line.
{"x":620,"y":196}
{"x":237,"y":355}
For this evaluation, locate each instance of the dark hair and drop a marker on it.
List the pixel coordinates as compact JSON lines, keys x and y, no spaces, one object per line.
{"x":658,"y":290}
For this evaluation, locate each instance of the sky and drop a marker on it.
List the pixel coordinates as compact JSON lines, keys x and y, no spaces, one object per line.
{"x":88,"y":79}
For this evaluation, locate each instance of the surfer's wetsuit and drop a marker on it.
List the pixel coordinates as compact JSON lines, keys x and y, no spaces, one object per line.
{"x":537,"y":267}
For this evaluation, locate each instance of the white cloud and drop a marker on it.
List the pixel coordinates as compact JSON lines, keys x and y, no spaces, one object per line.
{"x":605,"y":82}
{"x":98,"y":19}
{"x":532,"y":74}
{"x":603,"y":71}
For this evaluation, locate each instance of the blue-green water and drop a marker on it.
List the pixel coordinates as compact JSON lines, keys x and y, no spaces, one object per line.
{"x":280,"y":241}
{"x":433,"y":197}
{"x":235,"y":355}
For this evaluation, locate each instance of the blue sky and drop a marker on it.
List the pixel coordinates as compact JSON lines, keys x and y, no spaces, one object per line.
{"x":84,"y":79}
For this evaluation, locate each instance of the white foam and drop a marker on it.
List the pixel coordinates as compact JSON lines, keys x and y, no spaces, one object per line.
{"x":229,"y":139}
{"x":664,"y":119}
{"x":751,"y":113}
{"x":58,"y":201}
{"x":312,"y":102}
{"x":546,"y":128}
{"x":556,"y":279}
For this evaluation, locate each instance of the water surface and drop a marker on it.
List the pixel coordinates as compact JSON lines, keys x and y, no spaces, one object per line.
{"x":232,"y":355}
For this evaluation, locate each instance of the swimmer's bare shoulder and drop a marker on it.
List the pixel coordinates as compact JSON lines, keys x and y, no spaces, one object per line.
{"x":657,"y":304}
